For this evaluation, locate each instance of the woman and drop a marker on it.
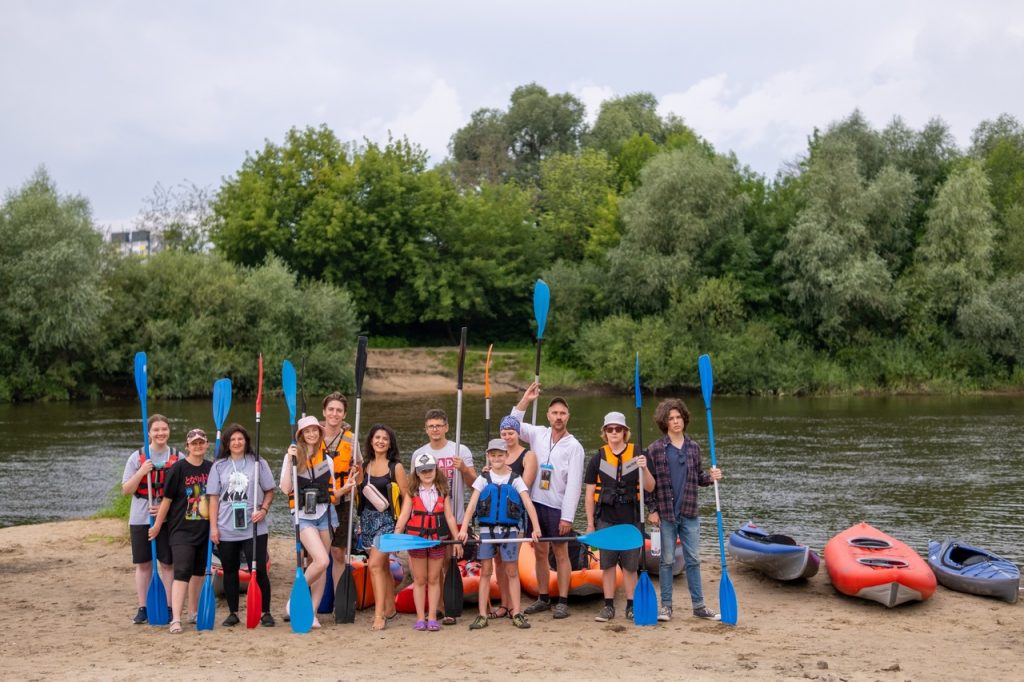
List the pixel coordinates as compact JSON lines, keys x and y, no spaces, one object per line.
{"x":382,"y":469}
{"x":317,"y":496}
{"x":233,"y":510}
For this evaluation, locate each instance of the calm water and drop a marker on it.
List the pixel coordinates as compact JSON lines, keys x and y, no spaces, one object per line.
{"x":916,"y":467}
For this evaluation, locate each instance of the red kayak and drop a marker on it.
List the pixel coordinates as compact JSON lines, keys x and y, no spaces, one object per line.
{"x":862,"y":561}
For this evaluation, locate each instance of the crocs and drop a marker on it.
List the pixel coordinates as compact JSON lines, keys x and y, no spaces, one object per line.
{"x":421,"y":625}
{"x":433,"y":625}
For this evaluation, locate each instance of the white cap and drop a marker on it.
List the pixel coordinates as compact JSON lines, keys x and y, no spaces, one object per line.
{"x":616,"y":418}
{"x":425,"y":461}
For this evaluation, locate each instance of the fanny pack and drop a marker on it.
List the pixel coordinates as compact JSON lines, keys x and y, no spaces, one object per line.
{"x":374,"y":497}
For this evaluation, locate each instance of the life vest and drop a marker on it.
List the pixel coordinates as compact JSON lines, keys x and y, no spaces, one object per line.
{"x":499,"y":504}
{"x":320,"y":479}
{"x":610,"y":488}
{"x":157,"y":475}
{"x":426,"y":523}
{"x":342,"y":457}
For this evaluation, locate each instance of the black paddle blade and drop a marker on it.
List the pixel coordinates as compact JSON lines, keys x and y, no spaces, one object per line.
{"x":360,"y":364}
{"x":345,"y":597}
{"x":453,"y":596}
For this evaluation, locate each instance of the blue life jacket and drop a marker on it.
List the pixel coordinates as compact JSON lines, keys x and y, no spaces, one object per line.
{"x":499,"y":505}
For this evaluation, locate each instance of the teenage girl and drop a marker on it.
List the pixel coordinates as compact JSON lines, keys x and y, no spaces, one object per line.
{"x":427,"y":512}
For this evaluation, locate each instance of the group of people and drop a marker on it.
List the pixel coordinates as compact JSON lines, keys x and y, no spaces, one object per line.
{"x":530,"y":485}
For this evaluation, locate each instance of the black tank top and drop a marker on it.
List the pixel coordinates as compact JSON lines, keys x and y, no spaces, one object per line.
{"x":519,"y":466}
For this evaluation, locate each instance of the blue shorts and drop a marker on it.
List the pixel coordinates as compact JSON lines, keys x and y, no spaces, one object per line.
{"x":321,"y":523}
{"x":509,"y":550}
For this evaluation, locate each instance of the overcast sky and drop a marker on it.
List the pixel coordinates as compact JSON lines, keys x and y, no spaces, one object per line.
{"x":115,"y":97}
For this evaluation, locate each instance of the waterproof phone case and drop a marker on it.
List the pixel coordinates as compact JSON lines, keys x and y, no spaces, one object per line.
{"x":546,"y":470}
{"x":309,"y":501}
{"x":655,"y":543}
{"x":239,"y":515}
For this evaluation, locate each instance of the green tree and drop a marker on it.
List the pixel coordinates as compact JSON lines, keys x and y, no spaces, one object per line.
{"x":181,"y":215}
{"x":540,"y":124}
{"x":480,"y":149}
{"x":620,"y":118}
{"x":51,"y":293}
{"x":579,"y":205}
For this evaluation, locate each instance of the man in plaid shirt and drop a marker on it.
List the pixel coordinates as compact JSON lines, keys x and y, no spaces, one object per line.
{"x":675,"y":462}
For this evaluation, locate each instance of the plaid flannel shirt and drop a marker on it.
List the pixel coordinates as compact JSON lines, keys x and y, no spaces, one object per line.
{"x":664,"y":501}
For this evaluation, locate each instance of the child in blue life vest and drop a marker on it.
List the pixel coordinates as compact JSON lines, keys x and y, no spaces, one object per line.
{"x":500,"y":497}
{"x":427,"y":512}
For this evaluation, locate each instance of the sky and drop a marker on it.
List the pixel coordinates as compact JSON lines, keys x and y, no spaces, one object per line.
{"x":114,"y":98}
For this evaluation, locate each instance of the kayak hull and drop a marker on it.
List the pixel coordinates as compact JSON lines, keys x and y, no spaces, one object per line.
{"x":965,"y":568}
{"x":584,"y":582}
{"x":864,"y":562}
{"x":777,"y":556}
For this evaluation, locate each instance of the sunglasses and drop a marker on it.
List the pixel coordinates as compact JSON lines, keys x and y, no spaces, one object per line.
{"x":614,"y":429}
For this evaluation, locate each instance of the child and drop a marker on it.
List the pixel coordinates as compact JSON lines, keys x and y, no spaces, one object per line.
{"x":502,"y":495}
{"x":427,"y":512}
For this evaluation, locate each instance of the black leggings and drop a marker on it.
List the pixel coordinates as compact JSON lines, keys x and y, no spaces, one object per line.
{"x":230,"y":559}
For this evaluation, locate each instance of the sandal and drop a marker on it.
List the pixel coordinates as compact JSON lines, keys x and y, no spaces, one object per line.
{"x":379,"y":624}
{"x":175,"y":628}
{"x":447,"y":620}
{"x":433,"y":625}
{"x":420,"y":625}
{"x":500,"y":612}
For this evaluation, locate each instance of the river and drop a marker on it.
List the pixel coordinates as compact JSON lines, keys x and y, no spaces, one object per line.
{"x":916,"y":467}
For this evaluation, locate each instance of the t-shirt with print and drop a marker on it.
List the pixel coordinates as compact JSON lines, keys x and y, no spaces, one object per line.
{"x":185,"y":487}
{"x":231,"y":481}
{"x":446,"y":465}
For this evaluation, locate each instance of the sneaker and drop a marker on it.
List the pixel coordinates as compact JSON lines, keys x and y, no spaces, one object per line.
{"x":605,"y":614}
{"x":519,"y":620}
{"x":140,"y":616}
{"x":231,"y":620}
{"x":267,"y":620}
{"x":629,"y":613}
{"x":535,"y":607}
{"x":479,"y":623}
{"x":560,"y":611}
{"x":665,"y":614}
{"x":706,"y":613}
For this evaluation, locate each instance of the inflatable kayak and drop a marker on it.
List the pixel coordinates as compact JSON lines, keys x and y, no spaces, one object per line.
{"x":243,"y":576}
{"x":582,"y":583}
{"x":777,"y":556}
{"x":973,"y":570}
{"x":470,"y":588}
{"x":865,"y":562}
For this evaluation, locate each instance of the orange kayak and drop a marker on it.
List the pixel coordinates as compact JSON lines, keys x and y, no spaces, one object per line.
{"x":470,"y":587}
{"x":862,"y":561}
{"x":583,"y":582}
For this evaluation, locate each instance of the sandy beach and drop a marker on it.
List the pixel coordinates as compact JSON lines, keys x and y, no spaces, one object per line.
{"x":70,"y":617}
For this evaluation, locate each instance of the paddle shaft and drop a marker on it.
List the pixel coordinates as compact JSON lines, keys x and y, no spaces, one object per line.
{"x":487,"y":395}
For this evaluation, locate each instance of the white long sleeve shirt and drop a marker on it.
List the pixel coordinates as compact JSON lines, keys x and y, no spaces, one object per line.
{"x":567,"y":458}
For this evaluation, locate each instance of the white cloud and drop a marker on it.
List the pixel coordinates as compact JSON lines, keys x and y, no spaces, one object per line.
{"x":592,"y":96}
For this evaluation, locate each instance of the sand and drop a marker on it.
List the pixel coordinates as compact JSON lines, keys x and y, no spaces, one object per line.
{"x":70,"y":618}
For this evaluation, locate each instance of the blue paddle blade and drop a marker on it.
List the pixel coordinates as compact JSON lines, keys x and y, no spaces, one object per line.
{"x":207,"y":609}
{"x":636,"y":383}
{"x":141,"y":378}
{"x":541,"y":303}
{"x":645,"y":602}
{"x":402,"y":542}
{"x":156,"y":600}
{"x":221,"y":401}
{"x":301,"y":604}
{"x":618,"y":538}
{"x":706,"y":380}
{"x":727,"y":600}
{"x":288,"y":386}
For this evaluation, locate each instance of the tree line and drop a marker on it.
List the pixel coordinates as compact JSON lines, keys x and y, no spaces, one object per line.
{"x":881,"y":259}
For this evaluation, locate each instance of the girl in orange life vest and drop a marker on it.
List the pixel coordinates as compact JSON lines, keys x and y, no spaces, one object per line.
{"x":612,"y":497}
{"x":427,"y":512}
{"x":316,"y":497}
{"x":499,"y":519}
{"x":139,"y":470}
{"x":381,"y":468}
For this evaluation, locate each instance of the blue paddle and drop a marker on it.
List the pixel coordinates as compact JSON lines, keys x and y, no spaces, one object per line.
{"x":541,"y":303}
{"x":301,"y":601}
{"x":726,"y":592}
{"x":207,"y":601}
{"x":645,"y":602}
{"x":620,"y":538}
{"x":156,"y":595}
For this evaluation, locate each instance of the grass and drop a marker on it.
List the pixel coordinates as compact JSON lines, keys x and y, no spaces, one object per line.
{"x":118,"y":505}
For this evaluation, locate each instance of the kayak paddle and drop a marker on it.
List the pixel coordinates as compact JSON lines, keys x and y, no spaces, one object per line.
{"x":453,"y":594}
{"x":541,"y":303}
{"x":254,"y":596}
{"x":345,"y":599}
{"x":301,"y":601}
{"x":645,"y":602}
{"x":156,"y":595}
{"x":207,"y":601}
{"x":326,"y":604}
{"x":487,"y":395}
{"x":726,"y":592}
{"x":619,"y":538}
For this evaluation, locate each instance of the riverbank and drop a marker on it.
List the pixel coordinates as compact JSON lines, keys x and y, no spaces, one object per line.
{"x":83,"y":602}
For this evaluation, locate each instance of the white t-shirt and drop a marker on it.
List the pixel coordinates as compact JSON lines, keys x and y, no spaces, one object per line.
{"x":446,"y":464}
{"x":519,"y":484}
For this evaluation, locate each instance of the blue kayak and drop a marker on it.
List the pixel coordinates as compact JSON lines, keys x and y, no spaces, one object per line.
{"x":777,"y":556}
{"x":965,"y":568}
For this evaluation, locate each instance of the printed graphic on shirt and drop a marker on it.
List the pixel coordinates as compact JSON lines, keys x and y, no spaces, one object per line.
{"x":237,"y":489}
{"x":195,"y":489}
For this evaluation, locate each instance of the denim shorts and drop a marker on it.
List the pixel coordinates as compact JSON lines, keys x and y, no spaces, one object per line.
{"x":509,"y":550}
{"x":321,"y":523}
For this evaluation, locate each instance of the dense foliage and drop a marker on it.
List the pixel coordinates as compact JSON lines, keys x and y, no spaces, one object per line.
{"x":884,"y":259}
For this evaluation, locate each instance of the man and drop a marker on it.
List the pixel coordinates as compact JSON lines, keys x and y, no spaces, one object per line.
{"x":555,"y":493}
{"x":457,"y":466}
{"x":675,"y":460}
{"x":337,"y":445}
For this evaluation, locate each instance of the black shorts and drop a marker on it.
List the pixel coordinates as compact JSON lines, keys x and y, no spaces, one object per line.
{"x":628,"y":559}
{"x":189,"y":561}
{"x":141,"y":552}
{"x":341,"y":532}
{"x":549,"y":518}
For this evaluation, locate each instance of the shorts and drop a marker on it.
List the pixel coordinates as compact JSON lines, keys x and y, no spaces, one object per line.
{"x":325,"y":521}
{"x":509,"y":550}
{"x":341,"y":532}
{"x":189,"y":561}
{"x":629,"y":559}
{"x":437,"y":552}
{"x":548,"y":518}
{"x":374,"y":523}
{"x":141,"y":552}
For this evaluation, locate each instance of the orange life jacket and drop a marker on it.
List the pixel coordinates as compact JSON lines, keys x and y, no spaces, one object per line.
{"x":426,"y":523}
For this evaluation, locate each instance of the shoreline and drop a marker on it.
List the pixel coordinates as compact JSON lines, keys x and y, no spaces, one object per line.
{"x":84,"y":598}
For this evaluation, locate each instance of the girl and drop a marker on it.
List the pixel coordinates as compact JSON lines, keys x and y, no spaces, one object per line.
{"x":316,"y":499}
{"x":184,"y":493}
{"x":382,"y":469}
{"x":427,"y":512}
{"x":233,"y":510}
